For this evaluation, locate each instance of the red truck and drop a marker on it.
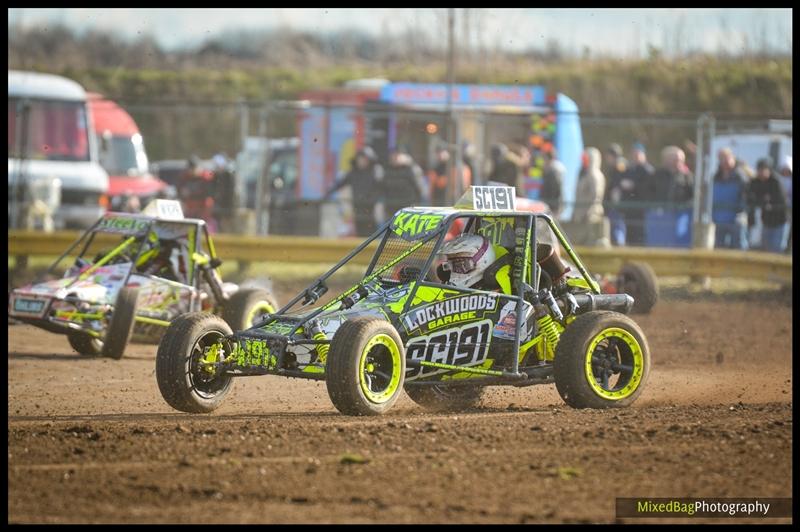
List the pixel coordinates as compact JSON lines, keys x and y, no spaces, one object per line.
{"x":122,"y":155}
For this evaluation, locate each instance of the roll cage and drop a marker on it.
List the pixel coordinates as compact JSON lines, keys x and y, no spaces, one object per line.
{"x":417,"y":233}
{"x":135,"y":230}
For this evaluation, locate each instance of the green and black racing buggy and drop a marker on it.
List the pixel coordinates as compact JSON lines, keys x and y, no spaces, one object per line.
{"x":403,"y":328}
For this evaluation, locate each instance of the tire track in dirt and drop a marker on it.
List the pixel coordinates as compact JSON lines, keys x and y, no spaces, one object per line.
{"x":91,"y":440}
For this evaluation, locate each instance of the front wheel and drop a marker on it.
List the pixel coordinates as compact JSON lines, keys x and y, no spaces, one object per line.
{"x":602,"y":361}
{"x":120,"y":326}
{"x":185,"y":381}
{"x":366,"y":367}
{"x":247,"y":307}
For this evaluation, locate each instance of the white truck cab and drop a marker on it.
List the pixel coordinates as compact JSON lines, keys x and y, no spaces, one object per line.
{"x":750,"y":146}
{"x":50,"y":146}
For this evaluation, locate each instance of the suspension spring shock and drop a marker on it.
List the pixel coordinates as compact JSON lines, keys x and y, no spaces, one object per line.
{"x":548,"y":327}
{"x":322,"y":349}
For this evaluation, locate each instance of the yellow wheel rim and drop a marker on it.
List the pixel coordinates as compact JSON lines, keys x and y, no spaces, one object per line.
{"x":379,"y":368}
{"x":259,"y":309}
{"x":614,"y":354}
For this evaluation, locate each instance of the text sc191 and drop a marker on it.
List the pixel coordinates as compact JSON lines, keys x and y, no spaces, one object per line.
{"x":493,"y":198}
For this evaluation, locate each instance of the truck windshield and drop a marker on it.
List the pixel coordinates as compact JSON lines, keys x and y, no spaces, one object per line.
{"x":56,"y":130}
{"x":121,"y":155}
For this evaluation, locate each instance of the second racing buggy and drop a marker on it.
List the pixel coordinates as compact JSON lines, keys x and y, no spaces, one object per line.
{"x":132,"y":275}
{"x":437,"y":318}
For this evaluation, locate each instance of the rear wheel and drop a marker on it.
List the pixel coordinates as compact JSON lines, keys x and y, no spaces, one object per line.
{"x":120,"y":326}
{"x":85,"y":344}
{"x":442,"y":398}
{"x":185,"y":382}
{"x":246,"y":307}
{"x":602,"y":361}
{"x":366,"y":367}
{"x":638,"y":280}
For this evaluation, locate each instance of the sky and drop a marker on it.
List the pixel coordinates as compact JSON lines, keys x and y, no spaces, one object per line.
{"x":613,"y":31}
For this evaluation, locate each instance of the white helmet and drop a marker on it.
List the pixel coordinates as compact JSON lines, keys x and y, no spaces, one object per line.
{"x":468,"y":256}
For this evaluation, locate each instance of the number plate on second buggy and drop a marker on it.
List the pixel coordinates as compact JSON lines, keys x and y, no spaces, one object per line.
{"x":28,"y":306}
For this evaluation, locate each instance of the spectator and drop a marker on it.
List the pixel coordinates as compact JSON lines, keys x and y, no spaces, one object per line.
{"x":615,"y":167}
{"x":365,"y":179}
{"x":591,"y":186}
{"x":672,"y":184}
{"x":224,"y":193}
{"x":195,"y":190}
{"x":729,"y":210}
{"x":468,"y":156}
{"x":745,"y":169}
{"x":691,"y":153}
{"x":767,"y":194}
{"x":438,"y":180}
{"x":404,"y":185}
{"x":786,"y":179}
{"x":552,"y":181}
{"x":631,"y":193}
{"x":504,"y":166}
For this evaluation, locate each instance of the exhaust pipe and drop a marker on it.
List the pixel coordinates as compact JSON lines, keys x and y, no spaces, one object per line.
{"x":616,"y":302}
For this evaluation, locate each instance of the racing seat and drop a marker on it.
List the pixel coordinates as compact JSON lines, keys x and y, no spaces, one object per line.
{"x":497,"y":275}
{"x":552,"y":267}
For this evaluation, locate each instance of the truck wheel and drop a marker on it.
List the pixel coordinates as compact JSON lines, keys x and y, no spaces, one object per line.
{"x":246,"y":307}
{"x":120,"y":326}
{"x":445,"y":398}
{"x":182,"y":379}
{"x":85,"y":344}
{"x":602,"y":361}
{"x":638,"y":280}
{"x":366,"y":367}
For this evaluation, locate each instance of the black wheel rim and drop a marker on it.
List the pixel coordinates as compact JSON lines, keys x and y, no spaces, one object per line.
{"x":612,"y":364}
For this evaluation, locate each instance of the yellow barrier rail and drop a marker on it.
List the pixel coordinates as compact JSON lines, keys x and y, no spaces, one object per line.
{"x":297,"y":249}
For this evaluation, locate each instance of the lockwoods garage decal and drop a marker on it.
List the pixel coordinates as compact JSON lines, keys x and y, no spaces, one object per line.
{"x":464,"y":346}
{"x":449,"y":312}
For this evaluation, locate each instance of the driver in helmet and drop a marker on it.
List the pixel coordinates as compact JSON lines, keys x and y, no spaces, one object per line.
{"x":471,"y":261}
{"x":161,"y":257}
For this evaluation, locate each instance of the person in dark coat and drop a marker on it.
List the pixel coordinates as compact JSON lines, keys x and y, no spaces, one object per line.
{"x":615,"y":167}
{"x":365,"y":179}
{"x":631,"y":194}
{"x":766,"y":194}
{"x":729,"y":209}
{"x":224,"y":184}
{"x":672,"y":184}
{"x":404,"y":185}
{"x":196,"y":192}
{"x":504,"y":170}
{"x":552,"y":182}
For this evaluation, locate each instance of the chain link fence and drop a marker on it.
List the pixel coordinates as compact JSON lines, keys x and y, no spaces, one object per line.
{"x":287,"y":156}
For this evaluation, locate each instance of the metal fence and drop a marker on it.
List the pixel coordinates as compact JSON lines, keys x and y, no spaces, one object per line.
{"x":281,"y":187}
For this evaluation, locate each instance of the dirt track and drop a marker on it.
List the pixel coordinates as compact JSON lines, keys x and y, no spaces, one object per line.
{"x":91,"y":440}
